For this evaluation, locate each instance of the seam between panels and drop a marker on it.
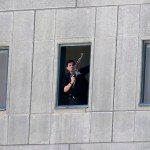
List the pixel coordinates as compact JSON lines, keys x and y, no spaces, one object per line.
{"x":90,"y":119}
{"x":93,"y":59}
{"x":53,"y":97}
{"x":10,"y":78}
{"x":9,"y":69}
{"x":76,"y":1}
{"x":71,"y":7}
{"x":31,"y":77}
{"x":115,"y":66}
{"x":53,"y":102}
{"x":137,"y":56}
{"x":137,"y":61}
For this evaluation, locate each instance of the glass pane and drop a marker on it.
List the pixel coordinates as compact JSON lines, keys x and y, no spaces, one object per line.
{"x":78,"y":93}
{"x":147,"y":75}
{"x":3,"y":77}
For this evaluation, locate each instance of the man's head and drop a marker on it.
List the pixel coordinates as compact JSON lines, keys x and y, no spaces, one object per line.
{"x":70,"y":65}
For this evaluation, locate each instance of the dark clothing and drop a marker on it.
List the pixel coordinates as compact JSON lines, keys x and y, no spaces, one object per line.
{"x":78,"y":94}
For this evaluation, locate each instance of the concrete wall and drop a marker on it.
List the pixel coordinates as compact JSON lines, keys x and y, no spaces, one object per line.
{"x":114,"y":120}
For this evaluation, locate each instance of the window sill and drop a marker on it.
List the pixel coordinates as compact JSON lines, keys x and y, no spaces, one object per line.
{"x":72,"y":107}
{"x":1,"y":109}
{"x":144,"y":104}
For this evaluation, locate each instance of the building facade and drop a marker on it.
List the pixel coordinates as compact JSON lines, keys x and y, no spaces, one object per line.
{"x":114,"y":118}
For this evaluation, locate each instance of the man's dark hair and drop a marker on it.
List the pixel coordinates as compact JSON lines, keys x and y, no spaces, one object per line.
{"x":69,"y":61}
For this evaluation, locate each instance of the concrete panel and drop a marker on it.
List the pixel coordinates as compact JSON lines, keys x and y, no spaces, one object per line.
{"x":103,"y":146}
{"x":103,"y":80}
{"x":143,"y":146}
{"x":106,"y":21}
{"x":70,"y":128}
{"x":18,"y":129}
{"x":126,"y":69}
{"x":38,"y":4}
{"x":101,"y":127}
{"x":123,"y":126}
{"x":39,"y":129}
{"x":6,"y":26}
{"x":45,"y":25}
{"x":3,"y":128}
{"x":145,"y":20}
{"x":36,"y":147}
{"x":99,"y":146}
{"x":142,"y":121}
{"x":50,"y":147}
{"x":75,"y":23}
{"x":128,"y":20}
{"x":84,"y":3}
{"x":42,"y":77}
{"x":123,"y":146}
{"x":23,"y":22}
{"x":21,"y":77}
{"x":6,"y":5}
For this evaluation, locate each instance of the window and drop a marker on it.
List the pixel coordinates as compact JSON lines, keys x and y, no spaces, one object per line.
{"x":73,"y":94}
{"x":3,"y":77}
{"x":145,"y":95}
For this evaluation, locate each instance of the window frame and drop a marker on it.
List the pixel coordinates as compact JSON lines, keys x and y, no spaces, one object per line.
{"x":3,"y":48}
{"x":144,"y":44}
{"x":60,"y":45}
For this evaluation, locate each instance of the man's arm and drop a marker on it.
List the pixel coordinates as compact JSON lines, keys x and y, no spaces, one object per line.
{"x":69,"y":85}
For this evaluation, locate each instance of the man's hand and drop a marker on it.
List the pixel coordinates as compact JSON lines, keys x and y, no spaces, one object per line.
{"x":73,"y":80}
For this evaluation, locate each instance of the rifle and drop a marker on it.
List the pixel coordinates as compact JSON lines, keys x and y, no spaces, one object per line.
{"x":76,"y":67}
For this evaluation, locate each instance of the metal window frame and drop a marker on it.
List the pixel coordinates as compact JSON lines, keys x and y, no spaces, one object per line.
{"x":144,"y":44}
{"x":58,"y":76}
{"x":3,"y":49}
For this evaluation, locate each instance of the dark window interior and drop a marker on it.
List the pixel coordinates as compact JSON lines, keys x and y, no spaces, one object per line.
{"x":3,"y":77}
{"x":72,"y":52}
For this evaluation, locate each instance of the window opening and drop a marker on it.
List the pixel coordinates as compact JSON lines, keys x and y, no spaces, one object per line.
{"x":3,"y":77}
{"x":74,"y":70}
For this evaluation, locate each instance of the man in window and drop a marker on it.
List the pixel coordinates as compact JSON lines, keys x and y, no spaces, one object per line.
{"x":75,"y":85}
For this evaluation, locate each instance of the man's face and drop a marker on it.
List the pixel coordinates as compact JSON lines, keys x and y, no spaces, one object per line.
{"x":70,"y":67}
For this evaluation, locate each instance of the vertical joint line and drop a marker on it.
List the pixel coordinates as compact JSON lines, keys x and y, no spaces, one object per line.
{"x":92,"y":76}
{"x":90,"y":127}
{"x":53,"y":102}
{"x":95,"y":22}
{"x":93,"y":58}
{"x":138,"y":53}
{"x":32,"y":75}
{"x":115,"y":66}
{"x":9,"y":78}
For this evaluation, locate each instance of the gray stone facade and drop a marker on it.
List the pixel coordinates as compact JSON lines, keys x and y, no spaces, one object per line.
{"x":114,"y":120}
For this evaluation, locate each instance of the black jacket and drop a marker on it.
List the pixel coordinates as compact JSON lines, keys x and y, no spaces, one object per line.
{"x":80,"y":89}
